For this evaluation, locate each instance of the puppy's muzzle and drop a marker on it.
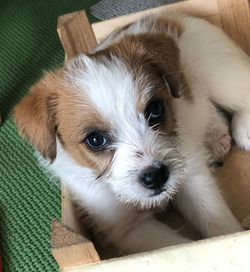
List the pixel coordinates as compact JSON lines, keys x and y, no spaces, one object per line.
{"x":154,"y":177}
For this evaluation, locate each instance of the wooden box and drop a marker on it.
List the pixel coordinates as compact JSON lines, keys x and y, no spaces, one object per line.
{"x":74,"y":252}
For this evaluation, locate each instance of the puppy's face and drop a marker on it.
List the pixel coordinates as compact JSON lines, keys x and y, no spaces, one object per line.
{"x":113,"y":113}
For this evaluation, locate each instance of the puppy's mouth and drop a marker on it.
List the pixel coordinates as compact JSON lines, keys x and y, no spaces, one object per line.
{"x":158,"y":191}
{"x":149,"y":193}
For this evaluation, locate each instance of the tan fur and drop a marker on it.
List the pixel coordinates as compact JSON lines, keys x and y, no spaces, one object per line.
{"x":35,"y":118}
{"x":52,"y":109}
{"x":76,"y":117}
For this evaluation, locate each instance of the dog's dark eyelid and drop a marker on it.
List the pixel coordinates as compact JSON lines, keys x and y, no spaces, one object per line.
{"x":155,"y":112}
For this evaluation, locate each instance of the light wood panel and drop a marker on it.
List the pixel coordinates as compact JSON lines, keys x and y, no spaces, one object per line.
{"x":235,"y":20}
{"x":76,"y":34}
{"x":71,"y":249}
{"x":224,"y":254}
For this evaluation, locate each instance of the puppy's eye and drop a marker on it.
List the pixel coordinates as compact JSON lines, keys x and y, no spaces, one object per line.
{"x":96,"y":140}
{"x":155,"y":112}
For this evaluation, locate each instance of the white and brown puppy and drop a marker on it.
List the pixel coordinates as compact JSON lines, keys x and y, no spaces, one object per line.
{"x":125,"y":127}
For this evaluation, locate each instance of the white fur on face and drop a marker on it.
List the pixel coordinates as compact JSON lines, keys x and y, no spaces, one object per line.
{"x":112,"y":91}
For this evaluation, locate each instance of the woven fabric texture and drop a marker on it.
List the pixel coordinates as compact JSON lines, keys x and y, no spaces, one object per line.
{"x":29,"y":200}
{"x":106,"y":9}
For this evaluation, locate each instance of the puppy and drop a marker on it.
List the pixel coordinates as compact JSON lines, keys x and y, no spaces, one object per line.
{"x":127,"y":127}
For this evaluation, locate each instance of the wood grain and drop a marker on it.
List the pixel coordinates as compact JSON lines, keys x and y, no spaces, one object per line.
{"x":223,"y":254}
{"x":234,"y":181}
{"x":71,"y":249}
{"x":69,"y":213}
{"x":76,"y":34}
{"x":235,"y":20}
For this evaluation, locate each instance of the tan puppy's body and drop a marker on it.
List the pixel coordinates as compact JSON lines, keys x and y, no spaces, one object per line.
{"x":128,"y":127}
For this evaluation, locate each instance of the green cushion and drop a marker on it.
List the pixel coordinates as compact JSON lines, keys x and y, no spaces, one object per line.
{"x":29,"y":198}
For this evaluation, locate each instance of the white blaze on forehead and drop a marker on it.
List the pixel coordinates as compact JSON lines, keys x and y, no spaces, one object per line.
{"x":110,"y":87}
{"x":112,"y":91}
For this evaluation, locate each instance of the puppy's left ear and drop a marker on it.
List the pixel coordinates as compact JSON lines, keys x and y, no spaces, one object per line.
{"x":35,"y":117}
{"x":162,"y":51}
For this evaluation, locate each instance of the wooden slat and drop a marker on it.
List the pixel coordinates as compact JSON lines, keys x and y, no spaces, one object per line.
{"x":223,"y":254}
{"x":234,"y":180}
{"x":76,"y":34}
{"x":235,"y":20}
{"x":69,"y":214}
{"x":71,"y":249}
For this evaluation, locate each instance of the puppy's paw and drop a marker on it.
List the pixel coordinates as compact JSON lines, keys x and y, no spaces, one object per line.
{"x":241,"y":130}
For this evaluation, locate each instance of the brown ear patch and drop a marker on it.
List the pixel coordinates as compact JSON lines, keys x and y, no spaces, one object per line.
{"x":145,"y":52}
{"x":163,"y":54}
{"x":35,"y":118}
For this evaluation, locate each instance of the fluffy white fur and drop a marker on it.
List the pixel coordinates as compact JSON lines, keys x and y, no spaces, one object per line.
{"x":216,"y":70}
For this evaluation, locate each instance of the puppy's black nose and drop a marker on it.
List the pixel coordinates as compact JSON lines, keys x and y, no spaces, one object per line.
{"x":154,"y":177}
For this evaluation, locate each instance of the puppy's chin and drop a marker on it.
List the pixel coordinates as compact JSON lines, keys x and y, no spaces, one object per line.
{"x":155,"y":202}
{"x":146,"y":199}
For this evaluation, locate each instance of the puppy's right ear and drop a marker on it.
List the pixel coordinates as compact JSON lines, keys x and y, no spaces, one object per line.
{"x":35,"y":117}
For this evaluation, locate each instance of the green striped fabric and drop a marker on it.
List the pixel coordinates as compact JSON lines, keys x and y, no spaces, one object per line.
{"x":29,"y":199}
